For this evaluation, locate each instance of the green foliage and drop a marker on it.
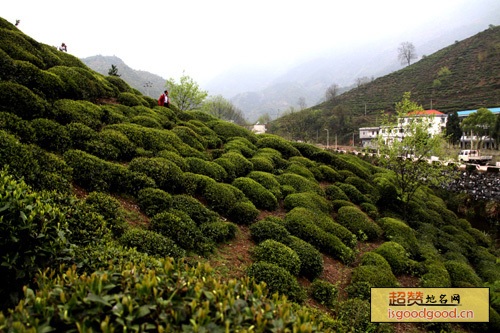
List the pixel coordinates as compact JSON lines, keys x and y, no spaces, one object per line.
{"x":50,"y":135}
{"x":277,"y":253}
{"x":329,"y":174}
{"x":462,"y":275}
{"x":190,"y":137}
{"x":436,"y":275}
{"x":242,"y":165}
{"x":280,"y":144}
{"x":397,"y":231}
{"x":210,"y":169}
{"x":166,"y":174}
{"x":194,"y":184}
{"x":353,"y":193}
{"x":243,"y":213}
{"x":67,"y":111}
{"x":153,"y":201}
{"x":195,"y":209}
{"x":178,"y":226}
{"x":19,"y":100}
{"x":186,"y":94}
{"x":80,"y":135}
{"x":355,"y":314}
{"x":223,"y":109}
{"x":395,"y":255}
{"x":268,"y":181}
{"x":478,"y":123}
{"x":226,"y":130}
{"x":258,"y":194}
{"x":370,"y":209}
{"x":277,"y":279}
{"x":358,"y":223}
{"x":300,"y":184}
{"x":374,"y":259}
{"x":33,"y":231}
{"x":14,"y":125}
{"x":299,"y":224}
{"x":129,"y":99}
{"x":265,"y":229}
{"x":311,"y":260}
{"x":308,"y":200}
{"x":324,"y":292}
{"x":371,"y":276}
{"x":174,"y":157}
{"x":219,"y":197}
{"x":218,"y":231}
{"x":229,"y":167}
{"x":109,"y":208}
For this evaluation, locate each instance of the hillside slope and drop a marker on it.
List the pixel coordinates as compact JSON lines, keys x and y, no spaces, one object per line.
{"x":462,"y":76}
{"x":111,"y":208}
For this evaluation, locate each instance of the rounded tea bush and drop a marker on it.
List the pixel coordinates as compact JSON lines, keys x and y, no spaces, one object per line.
{"x":395,"y":255}
{"x":194,"y":208}
{"x":397,"y":231}
{"x":219,"y":197}
{"x":166,"y":174}
{"x":299,"y":183}
{"x":280,"y":144}
{"x":324,"y":292}
{"x":311,"y":260}
{"x":335,"y":193}
{"x":308,"y":200}
{"x":153,"y":201}
{"x":353,"y":193}
{"x":263,"y":230}
{"x":268,"y":181}
{"x":151,"y":243}
{"x":461,"y":274}
{"x":210,"y":169}
{"x":258,"y":194}
{"x":358,"y":223}
{"x":243,"y":213}
{"x":218,"y":231}
{"x":277,"y":253}
{"x":277,"y":279}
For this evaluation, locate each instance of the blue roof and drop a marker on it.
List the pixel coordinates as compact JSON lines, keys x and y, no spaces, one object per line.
{"x":466,"y":113}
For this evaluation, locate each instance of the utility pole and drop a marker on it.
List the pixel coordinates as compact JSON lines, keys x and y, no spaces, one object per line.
{"x":431,"y":103}
{"x":327,"y":138}
{"x":365,"y":109}
{"x":148,"y":85}
{"x":336,"y":142}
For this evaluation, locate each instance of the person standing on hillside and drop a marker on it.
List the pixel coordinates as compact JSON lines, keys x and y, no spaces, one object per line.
{"x":164,"y":100}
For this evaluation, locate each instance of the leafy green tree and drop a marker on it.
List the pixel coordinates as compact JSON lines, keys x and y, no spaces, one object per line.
{"x":223,"y":109}
{"x":478,"y":124}
{"x":264,"y":119}
{"x":453,"y":130}
{"x":113,"y":71}
{"x":186,"y":94}
{"x":496,"y":131}
{"x":409,"y":155}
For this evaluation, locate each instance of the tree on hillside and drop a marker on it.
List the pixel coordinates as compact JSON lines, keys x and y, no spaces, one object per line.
{"x":302,"y":103}
{"x":332,"y":92}
{"x":478,"y":125}
{"x":186,"y":94}
{"x":113,"y":71}
{"x":264,"y":119}
{"x":408,"y":154}
{"x":406,"y":53}
{"x":223,"y":109}
{"x":453,"y":130}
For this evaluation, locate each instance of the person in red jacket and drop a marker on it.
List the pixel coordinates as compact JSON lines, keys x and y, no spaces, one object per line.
{"x":164,"y":100}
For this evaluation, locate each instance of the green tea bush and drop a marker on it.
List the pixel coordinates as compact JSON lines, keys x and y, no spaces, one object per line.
{"x":262,"y":164}
{"x":388,"y":193}
{"x":274,"y":156}
{"x":242,"y":165}
{"x":109,"y":208}
{"x":353,"y":193}
{"x":166,"y":174}
{"x":435,"y":275}
{"x":33,"y":233}
{"x":68,"y":111}
{"x":299,"y":183}
{"x":210,"y":169}
{"x":358,"y":223}
{"x":395,"y":255}
{"x":126,"y":149}
{"x":13,"y":124}
{"x":219,"y":197}
{"x":397,"y":231}
{"x":152,"y":243}
{"x":301,"y":160}
{"x":337,"y":204}
{"x":119,"y":83}
{"x":19,"y":100}
{"x":298,"y":224}
{"x":374,"y":259}
{"x":363,"y":186}
{"x":79,"y":135}
{"x":268,"y":181}
{"x":370,"y":209}
{"x":46,"y":84}
{"x":153,"y":201}
{"x":301,"y":170}
{"x":278,"y":280}
{"x":375,"y":276}
{"x":50,"y":135}
{"x":243,"y":213}
{"x":102,"y":150}
{"x":462,"y":275}
{"x":277,"y":253}
{"x":178,"y":226}
{"x":334,"y":192}
{"x":218,"y":231}
{"x":280,"y":144}
{"x":256,"y":193}
{"x":146,"y":121}
{"x":311,"y":260}
{"x":324,"y":292}
{"x":129,"y":99}
{"x":482,"y":239}
{"x":355,"y":316}
{"x":329,"y":174}
{"x":308,"y":200}
{"x":306,"y":149}
{"x":241,"y":146}
{"x":194,"y":208}
{"x":325,"y":222}
{"x":190,"y":137}
{"x":226,"y":130}
{"x":194,"y":184}
{"x":265,"y":229}
{"x":174,"y":157}
{"x":229,"y":167}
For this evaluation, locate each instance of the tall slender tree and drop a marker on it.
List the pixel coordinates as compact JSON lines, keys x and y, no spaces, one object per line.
{"x":406,"y":53}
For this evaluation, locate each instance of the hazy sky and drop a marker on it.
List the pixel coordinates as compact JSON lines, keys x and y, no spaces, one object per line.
{"x":206,"y":37}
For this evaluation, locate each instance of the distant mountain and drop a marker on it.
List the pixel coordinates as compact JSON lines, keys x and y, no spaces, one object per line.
{"x":135,"y":78}
{"x":461,"y":76}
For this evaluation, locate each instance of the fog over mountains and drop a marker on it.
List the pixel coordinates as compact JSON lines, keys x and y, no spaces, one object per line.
{"x":257,"y":90}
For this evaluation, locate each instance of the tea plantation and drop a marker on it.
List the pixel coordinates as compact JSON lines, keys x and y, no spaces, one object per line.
{"x":76,"y":145}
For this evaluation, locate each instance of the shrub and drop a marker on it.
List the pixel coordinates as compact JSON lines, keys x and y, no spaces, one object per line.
{"x":264,"y":229}
{"x":277,"y":253}
{"x":324,"y":292}
{"x":334,"y":192}
{"x":174,"y":157}
{"x":195,"y":209}
{"x":355,"y":314}
{"x":358,"y":223}
{"x":462,"y":275}
{"x":109,"y":208}
{"x":306,"y":149}
{"x":300,"y":170}
{"x":229,"y":167}
{"x":153,"y":201}
{"x":370,"y":209}
{"x":374,"y":259}
{"x":278,"y":143}
{"x":274,"y":156}
{"x":241,"y":146}
{"x":308,"y":200}
{"x":194,"y":184}
{"x":362,"y":185}
{"x":435,"y":276}
{"x":242,"y":165}
{"x":50,"y":135}
{"x":376,"y":276}
{"x":178,"y":226}
{"x":19,"y":100}
{"x":243,"y":213}
{"x":166,"y":174}
{"x":228,"y":130}
{"x":129,"y":99}
{"x":329,"y":174}
{"x":277,"y":279}
{"x":190,"y":137}
{"x":395,"y":255}
{"x":219,"y":197}
{"x":326,"y":223}
{"x":262,"y":164}
{"x":300,"y":184}
{"x":257,"y":193}
{"x":68,"y":111}
{"x":298,"y":223}
{"x":79,"y":135}
{"x":33,"y":232}
{"x":268,"y":181}
{"x":210,"y":169}
{"x":353,"y":193}
{"x":337,"y":204}
{"x":16,"y":126}
{"x":152,"y":243}
{"x":218,"y":231}
{"x":125,"y":148}
{"x":311,"y":260}
{"x":397,"y":231}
